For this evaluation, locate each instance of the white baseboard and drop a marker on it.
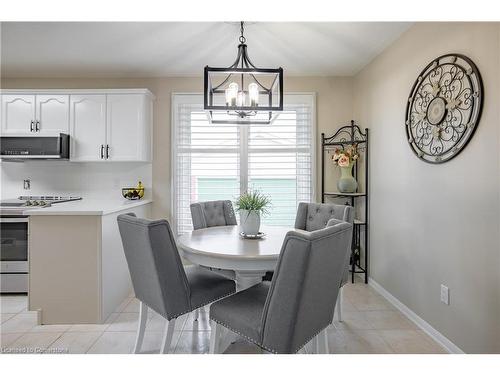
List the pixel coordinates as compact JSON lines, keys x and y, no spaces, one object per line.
{"x":426,"y":327}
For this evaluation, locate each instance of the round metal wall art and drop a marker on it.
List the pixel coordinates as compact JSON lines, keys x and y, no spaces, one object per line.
{"x":444,"y":108}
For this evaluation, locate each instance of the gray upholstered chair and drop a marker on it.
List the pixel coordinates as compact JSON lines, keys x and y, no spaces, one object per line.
{"x":314,"y":216}
{"x":297,"y":306}
{"x":212,"y":214}
{"x":160,"y":280}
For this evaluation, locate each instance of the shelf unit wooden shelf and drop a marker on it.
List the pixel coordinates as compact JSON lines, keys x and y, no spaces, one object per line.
{"x":346,"y":136}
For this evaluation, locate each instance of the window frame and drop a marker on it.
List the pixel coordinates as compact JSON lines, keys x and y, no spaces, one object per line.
{"x":304,"y":98}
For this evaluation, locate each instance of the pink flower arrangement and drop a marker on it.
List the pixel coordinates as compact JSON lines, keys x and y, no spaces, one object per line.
{"x":345,"y":157}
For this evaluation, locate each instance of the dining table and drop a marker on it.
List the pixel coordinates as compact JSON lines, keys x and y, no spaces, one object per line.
{"x":225,"y":249}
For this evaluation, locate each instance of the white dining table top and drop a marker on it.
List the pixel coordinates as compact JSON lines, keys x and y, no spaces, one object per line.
{"x":226,"y":242}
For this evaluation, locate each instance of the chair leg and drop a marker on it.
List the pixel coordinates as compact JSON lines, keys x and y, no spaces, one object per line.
{"x":196,"y":314}
{"x":215,"y":336}
{"x":339,"y":304}
{"x":167,"y":336}
{"x":322,"y":339}
{"x":315,"y":345}
{"x":141,"y":328}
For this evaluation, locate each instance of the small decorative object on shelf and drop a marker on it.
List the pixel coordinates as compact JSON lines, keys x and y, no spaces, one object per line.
{"x":133,"y":193}
{"x":347,"y":147}
{"x":345,"y":158}
{"x":251,"y":206}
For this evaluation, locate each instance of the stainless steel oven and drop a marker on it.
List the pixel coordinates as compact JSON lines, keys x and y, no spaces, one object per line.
{"x":14,"y":254}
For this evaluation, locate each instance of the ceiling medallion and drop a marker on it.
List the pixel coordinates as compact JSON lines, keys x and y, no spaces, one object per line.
{"x":444,"y":108}
{"x":243,"y":93}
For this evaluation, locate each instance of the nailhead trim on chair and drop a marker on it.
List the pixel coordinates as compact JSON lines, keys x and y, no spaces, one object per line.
{"x":264,"y":347}
{"x":314,"y":335}
{"x":206,"y":303}
{"x":245,"y":336}
{"x":193,"y":308}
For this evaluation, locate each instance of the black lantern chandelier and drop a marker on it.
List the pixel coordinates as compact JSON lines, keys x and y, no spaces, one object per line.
{"x":243,"y":93}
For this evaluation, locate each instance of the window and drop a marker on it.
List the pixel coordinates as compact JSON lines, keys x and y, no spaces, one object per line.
{"x":212,"y":162}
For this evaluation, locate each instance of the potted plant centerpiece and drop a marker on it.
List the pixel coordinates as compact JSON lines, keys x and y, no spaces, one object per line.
{"x":251,"y":205}
{"x":345,"y":158}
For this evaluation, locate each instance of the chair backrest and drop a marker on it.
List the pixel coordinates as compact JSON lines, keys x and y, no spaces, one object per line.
{"x":314,"y":216}
{"x":156,"y":270}
{"x":212,"y":214}
{"x":304,"y":288}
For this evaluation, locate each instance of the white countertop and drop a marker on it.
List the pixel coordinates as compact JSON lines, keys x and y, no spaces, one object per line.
{"x":88,"y":207}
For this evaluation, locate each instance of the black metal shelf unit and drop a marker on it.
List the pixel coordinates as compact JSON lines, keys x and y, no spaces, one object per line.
{"x":346,"y":136}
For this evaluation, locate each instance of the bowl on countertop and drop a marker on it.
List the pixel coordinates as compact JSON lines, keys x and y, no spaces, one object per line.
{"x":132,"y":193}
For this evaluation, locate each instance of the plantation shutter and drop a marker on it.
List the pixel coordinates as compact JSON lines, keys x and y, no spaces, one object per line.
{"x":212,"y":162}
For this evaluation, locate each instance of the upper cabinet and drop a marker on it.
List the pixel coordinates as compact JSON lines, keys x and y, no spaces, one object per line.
{"x":52,"y":114}
{"x":18,"y":114}
{"x":34,"y":114}
{"x":88,"y":127}
{"x":128,"y":137}
{"x":104,"y":125}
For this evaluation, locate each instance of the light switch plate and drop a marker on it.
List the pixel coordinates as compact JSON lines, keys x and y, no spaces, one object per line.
{"x":445,"y":294}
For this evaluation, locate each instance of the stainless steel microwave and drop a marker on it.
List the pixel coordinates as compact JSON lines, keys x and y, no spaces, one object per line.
{"x":35,"y":147}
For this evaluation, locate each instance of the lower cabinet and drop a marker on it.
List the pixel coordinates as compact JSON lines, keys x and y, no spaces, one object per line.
{"x":85,"y":258}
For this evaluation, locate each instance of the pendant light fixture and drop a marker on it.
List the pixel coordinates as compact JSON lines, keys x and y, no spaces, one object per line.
{"x":243,"y":93}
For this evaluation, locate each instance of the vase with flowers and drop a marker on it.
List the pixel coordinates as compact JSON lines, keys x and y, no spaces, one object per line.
{"x":345,"y":158}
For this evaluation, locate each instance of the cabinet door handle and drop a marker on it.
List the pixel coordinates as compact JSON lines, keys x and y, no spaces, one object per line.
{"x":37,"y":126}
{"x":102,"y":151}
{"x":107,"y":151}
{"x":31,"y":125}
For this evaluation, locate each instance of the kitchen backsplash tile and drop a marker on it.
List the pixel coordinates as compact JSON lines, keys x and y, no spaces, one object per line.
{"x":90,"y":180}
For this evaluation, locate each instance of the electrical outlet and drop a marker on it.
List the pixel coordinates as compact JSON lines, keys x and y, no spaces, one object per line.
{"x":445,"y":294}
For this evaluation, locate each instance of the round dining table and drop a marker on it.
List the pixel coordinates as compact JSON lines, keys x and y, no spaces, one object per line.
{"x":223,"y":248}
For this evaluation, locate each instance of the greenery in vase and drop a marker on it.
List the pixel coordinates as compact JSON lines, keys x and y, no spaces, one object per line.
{"x":253,"y":201}
{"x":345,"y":157}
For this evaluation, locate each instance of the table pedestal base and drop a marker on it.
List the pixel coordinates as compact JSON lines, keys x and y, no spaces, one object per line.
{"x":247,"y":279}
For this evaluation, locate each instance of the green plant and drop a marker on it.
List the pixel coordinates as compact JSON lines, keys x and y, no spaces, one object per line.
{"x":253,"y":201}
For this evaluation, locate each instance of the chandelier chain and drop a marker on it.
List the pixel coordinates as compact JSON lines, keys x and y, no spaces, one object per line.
{"x":242,"y":30}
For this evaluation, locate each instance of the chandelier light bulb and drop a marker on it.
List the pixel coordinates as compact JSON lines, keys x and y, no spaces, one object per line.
{"x":240,"y":101}
{"x":253,"y":93}
{"x":231,"y":94}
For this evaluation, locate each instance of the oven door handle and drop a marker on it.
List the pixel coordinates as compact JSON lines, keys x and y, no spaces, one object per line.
{"x":13,"y":220}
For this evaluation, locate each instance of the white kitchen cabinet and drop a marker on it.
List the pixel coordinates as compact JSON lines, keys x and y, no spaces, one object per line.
{"x":18,"y":114}
{"x":78,"y":270}
{"x":112,"y":125}
{"x":35,"y":114}
{"x":52,"y":114}
{"x":128,"y":130}
{"x":88,"y":127}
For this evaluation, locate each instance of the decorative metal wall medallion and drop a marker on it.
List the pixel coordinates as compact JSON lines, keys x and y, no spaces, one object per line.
{"x":444,"y":108}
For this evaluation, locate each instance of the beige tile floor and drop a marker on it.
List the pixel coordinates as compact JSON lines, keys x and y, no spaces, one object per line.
{"x":370,"y":325}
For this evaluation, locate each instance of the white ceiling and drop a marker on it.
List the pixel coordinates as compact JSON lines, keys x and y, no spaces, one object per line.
{"x":139,"y":49}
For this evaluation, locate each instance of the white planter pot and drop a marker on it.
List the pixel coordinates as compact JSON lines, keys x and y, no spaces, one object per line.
{"x":250,"y":222}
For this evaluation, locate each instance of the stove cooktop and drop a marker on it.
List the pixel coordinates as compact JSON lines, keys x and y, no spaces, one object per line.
{"x":17,"y":206}
{"x":48,"y":198}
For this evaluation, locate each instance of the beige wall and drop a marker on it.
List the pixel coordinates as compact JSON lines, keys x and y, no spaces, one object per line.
{"x":436,"y":224}
{"x":334,"y":108}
